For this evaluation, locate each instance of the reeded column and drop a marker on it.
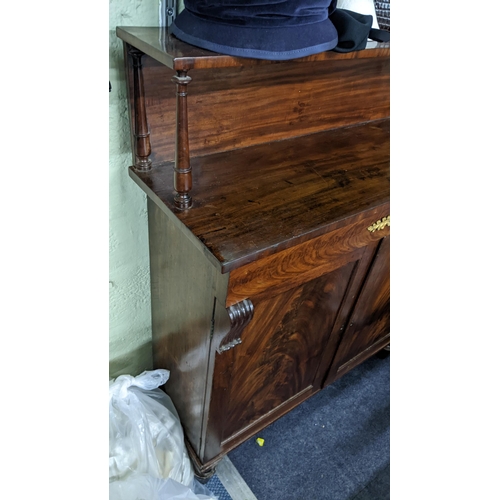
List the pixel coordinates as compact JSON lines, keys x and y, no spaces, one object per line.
{"x":182,"y":168}
{"x":141,"y":131}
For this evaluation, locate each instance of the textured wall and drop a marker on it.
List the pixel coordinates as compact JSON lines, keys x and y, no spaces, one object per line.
{"x":129,"y":303}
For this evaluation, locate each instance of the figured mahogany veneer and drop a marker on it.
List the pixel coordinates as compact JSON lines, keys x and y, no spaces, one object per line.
{"x":269,"y":222}
{"x":344,"y":92}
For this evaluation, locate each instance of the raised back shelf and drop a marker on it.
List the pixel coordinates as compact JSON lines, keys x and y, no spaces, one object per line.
{"x":272,"y":144}
{"x":227,"y":103}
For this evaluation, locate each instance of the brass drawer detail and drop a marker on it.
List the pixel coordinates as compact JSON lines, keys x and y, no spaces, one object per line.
{"x":380,"y":224}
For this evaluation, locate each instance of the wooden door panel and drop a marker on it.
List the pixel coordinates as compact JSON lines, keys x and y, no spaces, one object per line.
{"x":281,"y":349}
{"x":369,"y":324}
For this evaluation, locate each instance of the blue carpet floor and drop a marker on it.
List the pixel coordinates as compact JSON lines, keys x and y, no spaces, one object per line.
{"x":334,"y":446}
{"x":217,"y":488}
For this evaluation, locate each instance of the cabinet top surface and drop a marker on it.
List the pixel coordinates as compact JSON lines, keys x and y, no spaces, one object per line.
{"x":255,"y":201}
{"x":168,"y":50}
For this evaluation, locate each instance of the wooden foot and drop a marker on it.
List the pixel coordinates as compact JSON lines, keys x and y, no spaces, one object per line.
{"x":205,"y":476}
{"x":202,"y":472}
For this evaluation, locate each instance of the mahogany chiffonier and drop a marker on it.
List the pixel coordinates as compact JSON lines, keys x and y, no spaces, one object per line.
{"x":268,"y":210}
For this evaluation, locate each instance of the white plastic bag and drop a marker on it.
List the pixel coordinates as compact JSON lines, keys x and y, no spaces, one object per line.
{"x":144,"y":487}
{"x":147,"y":455}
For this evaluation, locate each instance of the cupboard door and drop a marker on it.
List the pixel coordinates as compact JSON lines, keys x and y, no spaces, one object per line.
{"x":367,"y":329}
{"x":276,"y":365}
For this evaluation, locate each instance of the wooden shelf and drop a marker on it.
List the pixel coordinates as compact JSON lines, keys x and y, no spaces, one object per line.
{"x":180,"y":56}
{"x":290,"y":191}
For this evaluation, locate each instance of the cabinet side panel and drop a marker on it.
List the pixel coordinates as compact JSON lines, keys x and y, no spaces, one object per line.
{"x":182,"y":301}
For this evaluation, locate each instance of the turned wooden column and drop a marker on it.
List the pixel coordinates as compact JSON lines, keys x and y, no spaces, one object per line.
{"x":182,"y":168}
{"x":142,"y":145}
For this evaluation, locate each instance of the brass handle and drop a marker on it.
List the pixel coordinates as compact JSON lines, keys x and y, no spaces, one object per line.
{"x":380,"y":224}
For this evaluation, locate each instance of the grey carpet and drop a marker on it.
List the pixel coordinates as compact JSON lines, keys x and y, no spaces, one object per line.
{"x":334,"y":446}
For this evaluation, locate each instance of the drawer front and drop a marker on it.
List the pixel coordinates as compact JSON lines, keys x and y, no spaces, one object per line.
{"x":308,"y":260}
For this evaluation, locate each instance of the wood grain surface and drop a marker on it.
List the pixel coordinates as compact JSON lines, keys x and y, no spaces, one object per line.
{"x":302,"y":262}
{"x":238,"y":107}
{"x":288,"y":192}
{"x":278,"y":358}
{"x":183,"y":286}
{"x":369,"y":323}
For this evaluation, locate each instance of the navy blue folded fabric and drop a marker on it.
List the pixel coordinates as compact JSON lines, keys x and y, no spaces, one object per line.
{"x":275,"y":29}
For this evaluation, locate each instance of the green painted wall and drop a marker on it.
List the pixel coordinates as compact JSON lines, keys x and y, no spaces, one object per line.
{"x":129,"y":293}
{"x":130,"y":349}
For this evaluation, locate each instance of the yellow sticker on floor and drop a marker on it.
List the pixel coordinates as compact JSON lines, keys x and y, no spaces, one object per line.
{"x":260,"y":441}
